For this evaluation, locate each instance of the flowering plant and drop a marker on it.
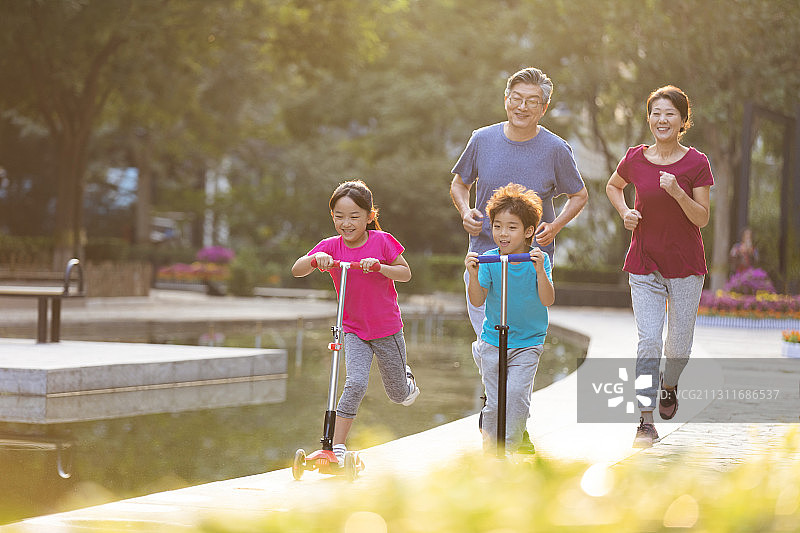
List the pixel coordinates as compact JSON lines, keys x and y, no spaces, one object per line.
{"x":750,"y":281}
{"x":791,"y":336}
{"x":759,"y":305}
{"x":216,"y":254}
{"x":195,"y":272}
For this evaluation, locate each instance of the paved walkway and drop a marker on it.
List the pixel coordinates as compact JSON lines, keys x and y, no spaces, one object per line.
{"x":553,"y":428}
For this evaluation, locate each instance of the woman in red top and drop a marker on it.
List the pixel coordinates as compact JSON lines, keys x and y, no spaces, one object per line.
{"x":666,"y":260}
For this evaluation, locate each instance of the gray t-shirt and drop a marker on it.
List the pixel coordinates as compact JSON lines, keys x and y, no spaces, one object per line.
{"x":544,"y":164}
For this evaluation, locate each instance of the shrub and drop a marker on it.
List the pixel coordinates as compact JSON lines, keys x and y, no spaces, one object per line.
{"x":791,"y":336}
{"x":472,"y":494}
{"x":750,"y":281}
{"x":195,"y":272}
{"x":760,"y":305}
{"x":216,"y":254}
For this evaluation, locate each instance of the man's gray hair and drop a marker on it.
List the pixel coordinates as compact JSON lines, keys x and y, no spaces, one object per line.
{"x":533,"y":76}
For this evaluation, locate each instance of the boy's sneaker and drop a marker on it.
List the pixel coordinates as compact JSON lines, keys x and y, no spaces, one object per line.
{"x":646,"y":435}
{"x":668,"y":401}
{"x":412,"y":387}
{"x":339,"y":450}
{"x":480,"y":415}
{"x":526,"y":446}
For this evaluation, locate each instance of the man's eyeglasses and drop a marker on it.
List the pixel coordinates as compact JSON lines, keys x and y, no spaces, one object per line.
{"x":516,"y":100}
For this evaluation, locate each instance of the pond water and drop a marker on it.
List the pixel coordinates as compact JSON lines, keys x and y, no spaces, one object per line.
{"x":108,"y":460}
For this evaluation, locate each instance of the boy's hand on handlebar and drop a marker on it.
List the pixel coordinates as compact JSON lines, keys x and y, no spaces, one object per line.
{"x":537,"y":257}
{"x":367,"y":264}
{"x":324,"y":261}
{"x":471,"y":262}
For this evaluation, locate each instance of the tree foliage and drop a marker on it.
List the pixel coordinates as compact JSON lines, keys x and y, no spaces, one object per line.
{"x":287,"y":98}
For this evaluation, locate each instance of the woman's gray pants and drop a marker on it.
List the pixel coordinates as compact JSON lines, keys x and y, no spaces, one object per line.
{"x":654,"y":297}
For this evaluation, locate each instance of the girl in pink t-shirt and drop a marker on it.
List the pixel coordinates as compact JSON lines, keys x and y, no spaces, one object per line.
{"x":371,"y":321}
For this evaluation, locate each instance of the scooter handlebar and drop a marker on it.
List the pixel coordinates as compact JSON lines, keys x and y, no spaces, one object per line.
{"x":515,"y":258}
{"x":336,"y":264}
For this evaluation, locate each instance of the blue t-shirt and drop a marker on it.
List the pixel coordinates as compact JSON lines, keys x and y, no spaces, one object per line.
{"x":544,"y":164}
{"x":527,"y":318}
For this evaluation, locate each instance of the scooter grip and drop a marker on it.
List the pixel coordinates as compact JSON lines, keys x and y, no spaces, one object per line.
{"x":336,"y":263}
{"x":515,"y":258}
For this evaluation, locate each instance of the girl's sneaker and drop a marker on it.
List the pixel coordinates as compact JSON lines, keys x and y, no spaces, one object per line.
{"x":339,"y":450}
{"x":412,"y":387}
{"x":646,"y":435}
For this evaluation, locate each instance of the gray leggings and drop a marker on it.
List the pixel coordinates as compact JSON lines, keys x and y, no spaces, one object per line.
{"x":390,"y":353}
{"x":653,"y":297}
{"x":522,"y":365}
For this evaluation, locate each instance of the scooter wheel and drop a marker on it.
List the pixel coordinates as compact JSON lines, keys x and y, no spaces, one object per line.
{"x":299,"y":464}
{"x":351,"y":466}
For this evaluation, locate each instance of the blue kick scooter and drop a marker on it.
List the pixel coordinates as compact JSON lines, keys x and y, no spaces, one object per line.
{"x":502,"y":328}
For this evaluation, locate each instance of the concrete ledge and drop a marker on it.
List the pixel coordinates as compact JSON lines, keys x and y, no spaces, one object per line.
{"x":173,"y":398}
{"x":81,"y":367}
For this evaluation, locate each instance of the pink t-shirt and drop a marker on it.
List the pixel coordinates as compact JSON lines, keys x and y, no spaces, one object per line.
{"x":665,"y":239}
{"x":370,"y":302}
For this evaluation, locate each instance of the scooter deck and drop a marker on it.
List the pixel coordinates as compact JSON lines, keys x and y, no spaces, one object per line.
{"x":325,"y":462}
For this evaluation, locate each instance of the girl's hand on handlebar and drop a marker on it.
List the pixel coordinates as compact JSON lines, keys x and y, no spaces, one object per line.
{"x":367,"y":264}
{"x":324,"y":261}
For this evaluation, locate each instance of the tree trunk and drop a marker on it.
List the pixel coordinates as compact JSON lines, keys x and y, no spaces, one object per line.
{"x":69,"y":235}
{"x":721,"y":211}
{"x":144,"y":193}
{"x":65,"y":245}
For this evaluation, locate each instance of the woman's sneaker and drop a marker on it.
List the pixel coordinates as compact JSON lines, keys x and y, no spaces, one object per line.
{"x":412,"y":387}
{"x":668,"y":401}
{"x":646,"y":435}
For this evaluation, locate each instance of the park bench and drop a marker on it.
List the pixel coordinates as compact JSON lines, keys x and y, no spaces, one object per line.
{"x":47,"y":294}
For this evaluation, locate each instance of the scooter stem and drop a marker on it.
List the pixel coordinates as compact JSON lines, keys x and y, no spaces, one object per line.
{"x":502,"y":366}
{"x":336,"y":347}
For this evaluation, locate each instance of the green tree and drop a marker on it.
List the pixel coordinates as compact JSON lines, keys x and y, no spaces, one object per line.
{"x":722,"y":52}
{"x":146,"y":64}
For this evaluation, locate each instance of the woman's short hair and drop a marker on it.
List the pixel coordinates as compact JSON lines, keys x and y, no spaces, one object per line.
{"x":678,"y":99}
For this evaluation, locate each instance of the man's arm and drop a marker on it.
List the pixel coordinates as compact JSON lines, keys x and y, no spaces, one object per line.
{"x":547,"y":231}
{"x":472,"y":219}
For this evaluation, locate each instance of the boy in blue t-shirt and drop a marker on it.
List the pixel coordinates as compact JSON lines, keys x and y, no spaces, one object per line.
{"x":514,"y":212}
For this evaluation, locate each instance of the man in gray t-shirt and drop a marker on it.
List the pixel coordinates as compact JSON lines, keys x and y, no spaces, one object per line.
{"x":517,"y":151}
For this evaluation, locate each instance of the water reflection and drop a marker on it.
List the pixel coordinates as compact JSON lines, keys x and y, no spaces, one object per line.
{"x":53,"y":464}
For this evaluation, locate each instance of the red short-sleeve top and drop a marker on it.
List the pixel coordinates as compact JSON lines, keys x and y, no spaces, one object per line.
{"x":665,"y":240}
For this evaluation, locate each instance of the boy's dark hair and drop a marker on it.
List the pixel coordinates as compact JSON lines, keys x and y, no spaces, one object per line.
{"x":517,"y":200}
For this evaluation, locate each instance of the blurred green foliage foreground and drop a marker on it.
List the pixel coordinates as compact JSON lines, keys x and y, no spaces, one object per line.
{"x":482,"y":494}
